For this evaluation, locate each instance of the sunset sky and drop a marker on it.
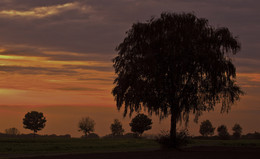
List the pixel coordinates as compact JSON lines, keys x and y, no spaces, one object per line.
{"x":56,"y":57}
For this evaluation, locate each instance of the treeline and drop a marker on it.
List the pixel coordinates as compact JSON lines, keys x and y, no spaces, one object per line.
{"x":207,"y":131}
{"x":4,"y":135}
{"x":35,"y":121}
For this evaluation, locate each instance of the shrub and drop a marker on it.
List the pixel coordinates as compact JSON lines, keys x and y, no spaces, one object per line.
{"x":91,"y":136}
{"x":182,"y":139}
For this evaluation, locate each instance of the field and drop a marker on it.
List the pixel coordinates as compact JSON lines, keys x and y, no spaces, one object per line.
{"x":24,"y":147}
{"x":38,"y":146}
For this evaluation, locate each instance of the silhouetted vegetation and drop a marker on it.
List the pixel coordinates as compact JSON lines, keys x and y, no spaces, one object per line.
{"x":176,"y":64}
{"x":12,"y":131}
{"x":140,"y":123}
{"x":4,"y":135}
{"x":223,"y":132}
{"x":34,"y":121}
{"x":86,"y":125}
{"x":182,"y":139}
{"x":206,"y":128}
{"x":255,"y":135}
{"x":91,"y":136}
{"x":237,"y":131}
{"x":117,"y":128}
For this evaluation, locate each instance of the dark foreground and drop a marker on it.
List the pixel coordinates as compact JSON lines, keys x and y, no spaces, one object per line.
{"x":212,"y":152}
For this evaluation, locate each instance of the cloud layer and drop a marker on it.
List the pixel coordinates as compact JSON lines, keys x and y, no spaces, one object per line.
{"x":73,"y":41}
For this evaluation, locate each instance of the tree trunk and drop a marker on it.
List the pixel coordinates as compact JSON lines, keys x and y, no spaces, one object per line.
{"x":173,"y":131}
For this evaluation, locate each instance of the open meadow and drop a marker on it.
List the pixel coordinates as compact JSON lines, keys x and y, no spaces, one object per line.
{"x":78,"y":148}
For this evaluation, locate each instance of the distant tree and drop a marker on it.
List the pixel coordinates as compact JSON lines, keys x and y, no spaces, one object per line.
{"x":117,"y":128}
{"x":34,"y":121}
{"x":86,"y":125}
{"x":237,"y":131}
{"x":223,"y":132}
{"x":140,"y":123}
{"x":175,"y":65}
{"x":12,"y":131}
{"x":206,"y":128}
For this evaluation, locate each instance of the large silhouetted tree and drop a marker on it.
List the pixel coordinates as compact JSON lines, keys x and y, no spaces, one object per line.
{"x":34,"y":121}
{"x":176,"y":65}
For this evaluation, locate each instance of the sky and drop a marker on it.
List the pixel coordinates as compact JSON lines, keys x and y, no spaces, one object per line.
{"x":56,"y":57}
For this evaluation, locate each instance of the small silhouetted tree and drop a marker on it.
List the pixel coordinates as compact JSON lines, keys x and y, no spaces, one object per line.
{"x":206,"y":128}
{"x":223,"y":132}
{"x":140,"y":123}
{"x":117,"y":128}
{"x":175,"y":65}
{"x":12,"y":131}
{"x":237,"y":131}
{"x":34,"y":121}
{"x":86,"y":125}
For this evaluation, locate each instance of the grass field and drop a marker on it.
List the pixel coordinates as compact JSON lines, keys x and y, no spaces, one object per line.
{"x":29,"y":146}
{"x":231,"y":143}
{"x":73,"y":145}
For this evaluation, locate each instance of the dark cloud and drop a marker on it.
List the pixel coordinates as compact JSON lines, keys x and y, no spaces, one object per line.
{"x":36,"y":70}
{"x":247,"y":65}
{"x":97,"y":27}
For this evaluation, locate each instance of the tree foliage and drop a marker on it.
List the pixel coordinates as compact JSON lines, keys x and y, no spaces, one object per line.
{"x":12,"y":131}
{"x":206,"y":128}
{"x":140,"y":123}
{"x":86,"y":125}
{"x":237,"y":131}
{"x":34,"y":121}
{"x":223,"y":132}
{"x":176,"y":64}
{"x":117,"y":128}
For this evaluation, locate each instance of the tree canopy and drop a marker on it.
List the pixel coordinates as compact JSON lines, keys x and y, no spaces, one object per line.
{"x":140,"y":123}
{"x":176,"y":64}
{"x":86,"y":125}
{"x":117,"y":128}
{"x":206,"y":128}
{"x":34,"y":121}
{"x":237,"y":131}
{"x":223,"y":132}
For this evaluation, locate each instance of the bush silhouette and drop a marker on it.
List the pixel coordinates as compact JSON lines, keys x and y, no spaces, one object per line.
{"x":12,"y":131}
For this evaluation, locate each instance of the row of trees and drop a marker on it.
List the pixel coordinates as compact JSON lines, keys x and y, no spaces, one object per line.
{"x":206,"y":129}
{"x":139,"y":124}
{"x":35,"y":121}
